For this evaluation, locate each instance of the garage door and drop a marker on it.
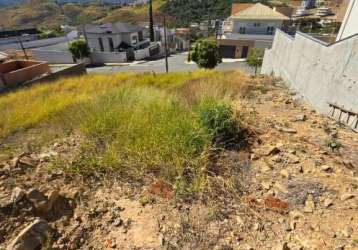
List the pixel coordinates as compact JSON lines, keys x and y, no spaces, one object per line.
{"x":227,"y":51}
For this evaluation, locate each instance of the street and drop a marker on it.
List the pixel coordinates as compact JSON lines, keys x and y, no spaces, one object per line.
{"x":177,"y":63}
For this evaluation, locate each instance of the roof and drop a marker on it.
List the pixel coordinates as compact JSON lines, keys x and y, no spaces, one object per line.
{"x":116,"y":28}
{"x":10,"y":33}
{"x":259,"y":12}
{"x":237,"y":7}
{"x":285,"y":10}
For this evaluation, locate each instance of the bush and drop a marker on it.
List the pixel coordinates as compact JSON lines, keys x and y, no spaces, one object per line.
{"x":206,"y":54}
{"x":79,"y":49}
{"x":255,"y":58}
{"x":218,"y":118}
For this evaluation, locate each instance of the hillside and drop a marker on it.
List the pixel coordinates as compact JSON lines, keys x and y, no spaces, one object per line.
{"x":46,"y":13}
{"x":199,"y":160}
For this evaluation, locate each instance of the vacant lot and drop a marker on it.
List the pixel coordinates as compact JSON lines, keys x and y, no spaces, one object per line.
{"x":199,"y":160}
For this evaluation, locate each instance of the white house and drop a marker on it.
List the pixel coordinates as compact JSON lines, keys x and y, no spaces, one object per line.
{"x":115,"y":37}
{"x":253,"y":27}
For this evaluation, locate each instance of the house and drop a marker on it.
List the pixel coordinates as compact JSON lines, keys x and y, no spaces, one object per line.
{"x":253,"y":27}
{"x":115,"y":37}
{"x":12,"y":36}
{"x":309,"y":4}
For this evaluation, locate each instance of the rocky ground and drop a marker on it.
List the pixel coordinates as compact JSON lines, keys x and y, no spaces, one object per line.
{"x":296,"y":188}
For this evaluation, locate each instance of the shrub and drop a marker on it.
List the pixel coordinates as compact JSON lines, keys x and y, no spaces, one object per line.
{"x":218,"y":118}
{"x":79,"y":49}
{"x":206,"y":54}
{"x":255,"y":58}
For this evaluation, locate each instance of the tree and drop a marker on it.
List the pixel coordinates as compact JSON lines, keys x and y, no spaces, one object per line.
{"x":206,"y":53}
{"x":151,"y":22}
{"x":255,"y":58}
{"x":79,"y":49}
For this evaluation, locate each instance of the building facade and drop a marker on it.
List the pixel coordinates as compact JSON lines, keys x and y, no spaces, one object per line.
{"x":253,"y":27}
{"x":116,"y":37}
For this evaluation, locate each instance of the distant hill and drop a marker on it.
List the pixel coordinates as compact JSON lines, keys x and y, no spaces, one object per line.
{"x":7,"y":3}
{"x":48,"y":13}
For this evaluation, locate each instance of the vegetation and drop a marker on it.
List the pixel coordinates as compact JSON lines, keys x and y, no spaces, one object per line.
{"x":79,"y":49}
{"x":134,"y":126}
{"x":186,"y":11}
{"x":255,"y":58}
{"x":47,"y":13}
{"x":206,"y":53}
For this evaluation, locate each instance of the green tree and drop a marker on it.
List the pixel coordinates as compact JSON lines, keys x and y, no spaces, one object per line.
{"x":255,"y":58}
{"x":79,"y":49}
{"x":151,"y":22}
{"x":206,"y":53}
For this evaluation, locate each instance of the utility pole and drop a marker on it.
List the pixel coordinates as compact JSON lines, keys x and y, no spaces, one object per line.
{"x":22,"y":47}
{"x":165,"y":46}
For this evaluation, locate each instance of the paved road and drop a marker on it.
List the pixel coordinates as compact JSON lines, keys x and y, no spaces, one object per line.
{"x":176,"y":64}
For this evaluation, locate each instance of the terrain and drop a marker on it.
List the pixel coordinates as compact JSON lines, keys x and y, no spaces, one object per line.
{"x":200,"y":160}
{"x":46,"y":14}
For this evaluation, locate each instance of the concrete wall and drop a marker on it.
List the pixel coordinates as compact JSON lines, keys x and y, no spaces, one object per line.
{"x":350,"y":22}
{"x":320,"y":73}
{"x":108,"y":57}
{"x":75,"y":70}
{"x":14,"y":73}
{"x":53,"y":56}
{"x":141,"y":54}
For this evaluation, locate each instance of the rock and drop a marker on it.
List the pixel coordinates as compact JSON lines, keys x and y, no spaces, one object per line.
{"x":27,"y":161}
{"x":328,"y":202}
{"x":39,"y":200}
{"x":273,"y":150}
{"x":17,"y":195}
{"x":327,"y":169}
{"x":286,"y":130}
{"x":293,"y":159}
{"x":295,"y":215}
{"x":347,"y":232}
{"x":285,"y":173}
{"x":32,"y":237}
{"x":264,"y":168}
{"x":281,"y":246}
{"x":266,"y":185}
{"x":309,"y":205}
{"x":347,"y":196}
{"x":300,"y":118}
{"x":276,"y":158}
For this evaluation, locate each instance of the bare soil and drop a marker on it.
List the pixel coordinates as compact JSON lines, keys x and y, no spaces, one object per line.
{"x":295,"y":187}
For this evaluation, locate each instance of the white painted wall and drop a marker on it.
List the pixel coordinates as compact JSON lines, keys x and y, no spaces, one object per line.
{"x":350,"y":22}
{"x":141,"y":54}
{"x":252,"y":29}
{"x":93,"y":42}
{"x":320,"y":73}
{"x":53,"y":56}
{"x":108,"y":57}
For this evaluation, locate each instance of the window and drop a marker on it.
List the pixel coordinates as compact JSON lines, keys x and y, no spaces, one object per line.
{"x":257,"y":24}
{"x":100,"y":41}
{"x":270,"y":30}
{"x":134,"y":39}
{"x":242,"y":30}
{"x":110,"y":42}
